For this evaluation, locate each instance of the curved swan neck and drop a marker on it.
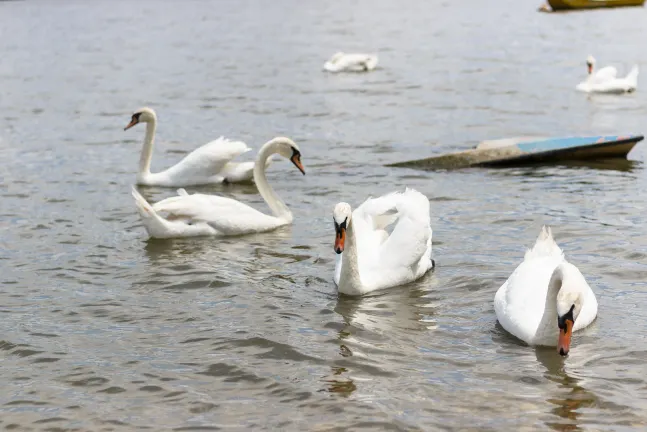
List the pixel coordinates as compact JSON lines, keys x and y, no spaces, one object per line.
{"x":554,"y":286}
{"x":565,"y":286}
{"x":349,"y":279}
{"x":278,"y":208}
{"x":147,"y":149}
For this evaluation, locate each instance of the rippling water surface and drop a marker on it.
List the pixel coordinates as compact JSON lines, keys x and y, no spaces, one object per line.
{"x":102,"y":329}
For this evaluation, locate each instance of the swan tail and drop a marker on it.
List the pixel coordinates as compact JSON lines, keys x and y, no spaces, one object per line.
{"x":155,"y":225}
{"x":632,"y":77}
{"x":182,"y":192}
{"x":544,"y":246}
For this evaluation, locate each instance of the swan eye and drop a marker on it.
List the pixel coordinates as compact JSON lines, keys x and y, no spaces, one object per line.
{"x":568,"y":316}
{"x":133,"y":120}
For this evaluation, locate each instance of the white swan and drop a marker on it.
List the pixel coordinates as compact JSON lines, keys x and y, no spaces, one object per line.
{"x":198,"y":214}
{"x":546,"y":298}
{"x":341,"y":62}
{"x":606,"y":79}
{"x":205,"y":165}
{"x":372,"y":259}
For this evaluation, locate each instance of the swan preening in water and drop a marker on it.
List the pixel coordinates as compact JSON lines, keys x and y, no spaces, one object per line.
{"x":372,"y":259}
{"x":341,"y":62}
{"x":546,"y":298}
{"x":606,"y":80}
{"x":208,"y":164}
{"x":199,"y":214}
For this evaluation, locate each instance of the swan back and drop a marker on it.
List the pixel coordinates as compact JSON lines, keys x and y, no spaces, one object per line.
{"x":201,"y":165}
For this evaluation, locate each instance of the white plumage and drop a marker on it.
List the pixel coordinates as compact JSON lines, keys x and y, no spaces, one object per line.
{"x":200,"y":214}
{"x":606,"y":80}
{"x":543,"y":287}
{"x":209,"y":164}
{"x":372,"y":258}
{"x":342,"y":62}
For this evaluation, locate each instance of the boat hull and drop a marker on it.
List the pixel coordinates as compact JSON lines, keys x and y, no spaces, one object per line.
{"x":531,"y":152}
{"x":591,"y":4}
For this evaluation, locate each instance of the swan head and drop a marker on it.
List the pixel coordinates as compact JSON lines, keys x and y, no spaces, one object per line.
{"x":590,"y":62}
{"x":569,"y":305}
{"x":141,"y":115}
{"x":289,"y":150}
{"x":341,"y":215}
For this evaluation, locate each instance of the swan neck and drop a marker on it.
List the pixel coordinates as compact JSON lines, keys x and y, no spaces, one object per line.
{"x":147,"y":149}
{"x":555,"y":285}
{"x":349,"y":279}
{"x":278,"y":207}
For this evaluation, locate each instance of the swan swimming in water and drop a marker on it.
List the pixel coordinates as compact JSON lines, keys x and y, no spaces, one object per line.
{"x":371,"y":259}
{"x":546,"y":298}
{"x":208,"y":215}
{"x":605,"y":80}
{"x":208,"y":164}
{"x":341,"y":62}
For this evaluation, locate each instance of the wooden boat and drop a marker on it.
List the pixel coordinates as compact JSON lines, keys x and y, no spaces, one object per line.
{"x":530,"y":150}
{"x":591,"y":4}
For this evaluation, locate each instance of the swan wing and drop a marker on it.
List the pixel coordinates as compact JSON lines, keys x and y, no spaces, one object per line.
{"x":520,"y":302}
{"x":352,"y":62}
{"x":605,"y":74}
{"x":226,"y":215}
{"x":411,"y":235}
{"x":238,"y":172}
{"x":159,"y":227}
{"x":615,"y":86}
{"x":404,"y":255}
{"x":204,"y":164}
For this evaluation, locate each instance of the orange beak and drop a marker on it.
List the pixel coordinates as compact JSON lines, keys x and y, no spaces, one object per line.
{"x":340,"y":238}
{"x":564,"y":340}
{"x":590,"y":68}
{"x":132,"y":123}
{"x":296,"y":160}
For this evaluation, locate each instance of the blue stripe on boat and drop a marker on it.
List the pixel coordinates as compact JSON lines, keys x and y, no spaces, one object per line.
{"x":568,"y":142}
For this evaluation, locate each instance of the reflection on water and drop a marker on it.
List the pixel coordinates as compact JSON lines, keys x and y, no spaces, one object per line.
{"x":574,"y":397}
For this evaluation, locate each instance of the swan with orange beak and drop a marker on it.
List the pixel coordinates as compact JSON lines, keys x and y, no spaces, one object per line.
{"x":546,"y":298}
{"x":368,"y":257}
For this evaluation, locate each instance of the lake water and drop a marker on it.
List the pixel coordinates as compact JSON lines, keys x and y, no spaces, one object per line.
{"x":102,"y":329}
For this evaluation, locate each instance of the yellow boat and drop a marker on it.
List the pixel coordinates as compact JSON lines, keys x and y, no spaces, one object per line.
{"x":591,"y":4}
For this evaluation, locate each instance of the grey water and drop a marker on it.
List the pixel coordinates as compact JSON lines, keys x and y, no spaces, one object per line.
{"x":103,"y":329}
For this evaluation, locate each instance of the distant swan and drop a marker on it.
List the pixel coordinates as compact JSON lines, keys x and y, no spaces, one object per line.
{"x":341,"y":62}
{"x":605,"y":80}
{"x":208,"y":164}
{"x":372,"y":259}
{"x":546,"y":298}
{"x":203,"y":215}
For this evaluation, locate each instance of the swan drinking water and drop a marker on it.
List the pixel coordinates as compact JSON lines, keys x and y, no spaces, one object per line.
{"x":605,"y":80}
{"x":372,"y":259}
{"x":341,"y":62}
{"x":546,"y":298}
{"x":199,"y":214}
{"x":208,"y":164}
